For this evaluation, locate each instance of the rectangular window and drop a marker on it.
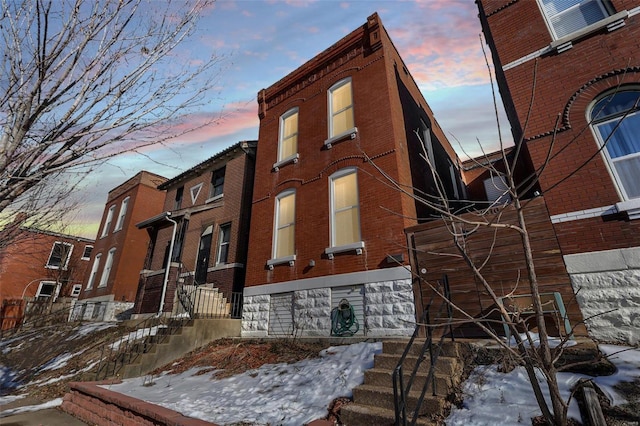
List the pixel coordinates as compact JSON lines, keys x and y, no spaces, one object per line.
{"x":86,"y":253}
{"x":177,"y":205}
{"x":425,"y":135}
{"x":122,"y":214}
{"x":107,"y":222}
{"x":224,"y":236}
{"x":94,"y":271}
{"x":176,"y":255}
{"x":107,"y":268}
{"x":59,"y":256}
{"x":75,"y":291}
{"x":47,"y":289}
{"x":567,"y":16}
{"x":285,"y":225}
{"x":340,"y":108}
{"x":345,"y":208}
{"x":217,"y":183}
{"x":288,"y":146}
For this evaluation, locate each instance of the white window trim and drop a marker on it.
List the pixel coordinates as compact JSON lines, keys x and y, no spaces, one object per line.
{"x":122,"y":214}
{"x":211,"y":188}
{"x":212,"y":199}
{"x":333,"y":139}
{"x":84,"y":250}
{"x":55,"y":293}
{"x":355,"y":246}
{"x":66,"y":261}
{"x":219,"y":244}
{"x":290,"y":259}
{"x":293,"y":158}
{"x":94,"y":271}
{"x":107,"y":222}
{"x":108,"y":266}
{"x":629,"y":205}
{"x":76,"y":290}
{"x":552,"y":30}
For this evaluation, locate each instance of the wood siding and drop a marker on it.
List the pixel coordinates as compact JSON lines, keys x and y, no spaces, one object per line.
{"x":433,"y":251}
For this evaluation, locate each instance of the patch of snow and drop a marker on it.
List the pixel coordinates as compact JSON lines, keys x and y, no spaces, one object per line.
{"x":28,"y":408}
{"x":535,"y":338}
{"x":60,"y":361}
{"x":10,"y":398}
{"x":7,"y":380}
{"x":283,"y":394}
{"x":90,"y":327}
{"x":627,"y":362}
{"x":137,"y":335}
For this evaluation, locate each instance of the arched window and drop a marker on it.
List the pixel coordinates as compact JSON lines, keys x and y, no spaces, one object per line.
{"x":615,"y":119}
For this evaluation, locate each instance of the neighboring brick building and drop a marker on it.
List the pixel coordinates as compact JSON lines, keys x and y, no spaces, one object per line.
{"x":582,"y":58}
{"x":111,"y":282}
{"x":336,"y":137}
{"x":40,"y":265}
{"x":203,"y":231}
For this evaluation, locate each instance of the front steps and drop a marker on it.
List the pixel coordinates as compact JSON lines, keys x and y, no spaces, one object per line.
{"x":373,"y":401}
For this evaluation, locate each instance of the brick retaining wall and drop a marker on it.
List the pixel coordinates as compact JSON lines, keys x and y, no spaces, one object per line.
{"x":98,"y":406}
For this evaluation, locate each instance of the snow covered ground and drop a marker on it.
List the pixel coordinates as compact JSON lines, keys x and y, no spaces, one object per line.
{"x":292,"y":394}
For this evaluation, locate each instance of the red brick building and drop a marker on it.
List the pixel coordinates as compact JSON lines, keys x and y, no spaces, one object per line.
{"x":40,"y":265}
{"x":582,"y":59}
{"x":202,"y":234}
{"x":337,"y":165}
{"x":111,"y":282}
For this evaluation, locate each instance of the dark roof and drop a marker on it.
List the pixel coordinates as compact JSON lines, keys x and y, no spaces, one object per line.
{"x":222,"y":158}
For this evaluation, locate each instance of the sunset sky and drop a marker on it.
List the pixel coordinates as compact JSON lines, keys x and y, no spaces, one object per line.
{"x":262,"y":41}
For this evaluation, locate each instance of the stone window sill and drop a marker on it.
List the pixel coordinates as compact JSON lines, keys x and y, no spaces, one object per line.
{"x":349,"y":134}
{"x":612,"y":23}
{"x":631,"y":207}
{"x":291,"y":260}
{"x":212,"y":199}
{"x":289,"y":160}
{"x":357,"y":247}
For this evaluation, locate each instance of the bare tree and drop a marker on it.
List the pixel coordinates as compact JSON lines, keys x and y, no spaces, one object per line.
{"x":84,"y":80}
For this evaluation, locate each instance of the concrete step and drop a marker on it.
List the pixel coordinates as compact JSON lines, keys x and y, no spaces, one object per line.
{"x":378,"y":377}
{"x":361,"y":415}
{"x":444,"y":365}
{"x":397,"y":346}
{"x":382,"y":397}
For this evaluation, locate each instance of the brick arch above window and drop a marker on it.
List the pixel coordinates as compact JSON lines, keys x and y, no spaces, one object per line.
{"x":580,"y":100}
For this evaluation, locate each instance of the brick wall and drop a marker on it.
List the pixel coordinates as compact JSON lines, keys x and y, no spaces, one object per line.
{"x":576,"y":177}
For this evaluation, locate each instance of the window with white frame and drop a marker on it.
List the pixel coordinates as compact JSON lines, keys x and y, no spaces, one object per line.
{"x":217,"y":183}
{"x":86,"y":253}
{"x":60,"y":255}
{"x":48,"y":289}
{"x":107,"y":222}
{"x":345,"y":208}
{"x":75,"y":291}
{"x":567,"y":16}
{"x":224,"y":236}
{"x":122,"y":214}
{"x":615,"y":119}
{"x":107,"y":268}
{"x":284,"y":225}
{"x":94,"y":271}
{"x":341,"y":119}
{"x":288,"y":140}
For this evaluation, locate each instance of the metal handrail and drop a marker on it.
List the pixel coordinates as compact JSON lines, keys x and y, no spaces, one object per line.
{"x":400,"y":392}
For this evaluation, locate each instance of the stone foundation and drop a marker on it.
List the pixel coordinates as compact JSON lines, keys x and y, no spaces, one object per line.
{"x":607,"y":284}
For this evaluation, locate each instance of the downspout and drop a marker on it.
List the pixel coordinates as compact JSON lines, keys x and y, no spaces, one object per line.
{"x":168,"y":266}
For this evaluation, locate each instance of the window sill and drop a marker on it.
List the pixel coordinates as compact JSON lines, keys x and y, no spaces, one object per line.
{"x":291,"y":260}
{"x":631,"y":207}
{"x":289,"y":160}
{"x":612,"y":23}
{"x":349,"y":134}
{"x":212,"y":199}
{"x":357,"y":247}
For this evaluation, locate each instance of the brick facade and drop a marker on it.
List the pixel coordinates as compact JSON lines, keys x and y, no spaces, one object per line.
{"x":200,"y":214}
{"x":129,"y":242}
{"x":595,"y":223}
{"x":382,"y":149}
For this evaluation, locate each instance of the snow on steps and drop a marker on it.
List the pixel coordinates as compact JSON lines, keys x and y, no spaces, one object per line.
{"x":373,"y":401}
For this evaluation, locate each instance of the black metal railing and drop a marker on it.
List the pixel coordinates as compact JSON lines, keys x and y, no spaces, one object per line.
{"x":402,"y":391}
{"x":206,"y":301}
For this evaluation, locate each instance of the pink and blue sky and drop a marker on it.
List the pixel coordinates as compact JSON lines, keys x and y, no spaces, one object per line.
{"x":262,"y":41}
